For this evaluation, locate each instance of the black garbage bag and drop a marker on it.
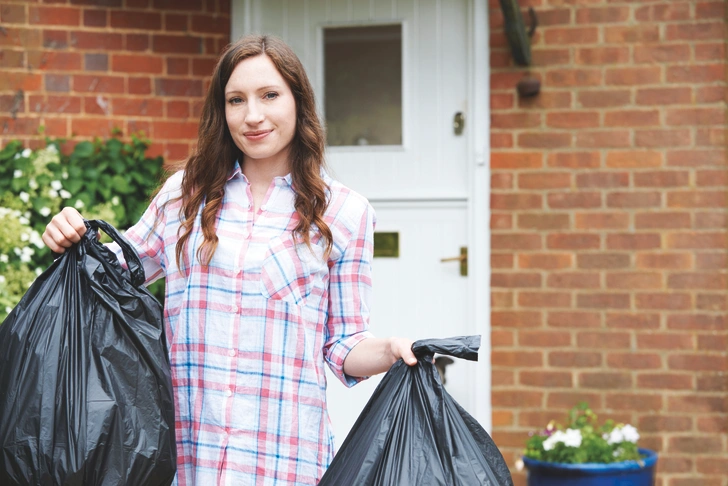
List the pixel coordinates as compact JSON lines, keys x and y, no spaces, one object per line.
{"x":412,"y":432}
{"x":85,"y":384}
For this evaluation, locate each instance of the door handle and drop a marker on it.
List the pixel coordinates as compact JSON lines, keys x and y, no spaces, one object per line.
{"x":462,"y":258}
{"x":458,"y":123}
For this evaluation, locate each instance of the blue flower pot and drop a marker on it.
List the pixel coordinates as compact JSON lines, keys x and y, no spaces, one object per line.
{"x":627,"y":473}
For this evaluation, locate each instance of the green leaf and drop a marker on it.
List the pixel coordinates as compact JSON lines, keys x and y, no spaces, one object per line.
{"x":84,"y":150}
{"x":121,"y":184}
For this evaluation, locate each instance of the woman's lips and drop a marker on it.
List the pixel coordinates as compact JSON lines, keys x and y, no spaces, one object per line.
{"x":257,"y":135}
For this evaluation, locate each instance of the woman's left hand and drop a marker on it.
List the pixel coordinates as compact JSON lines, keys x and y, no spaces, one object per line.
{"x":376,"y":355}
{"x":402,"y":348}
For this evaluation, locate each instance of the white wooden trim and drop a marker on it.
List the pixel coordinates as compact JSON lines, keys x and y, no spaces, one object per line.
{"x":479,"y":251}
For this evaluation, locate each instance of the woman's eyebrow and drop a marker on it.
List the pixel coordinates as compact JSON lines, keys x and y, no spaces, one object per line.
{"x":262,"y":88}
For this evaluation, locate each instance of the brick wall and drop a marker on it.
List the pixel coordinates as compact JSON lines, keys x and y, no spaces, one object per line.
{"x":609,"y":228}
{"x":84,"y":67}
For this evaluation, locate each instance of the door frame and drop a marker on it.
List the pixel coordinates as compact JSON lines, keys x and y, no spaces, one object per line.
{"x":479,"y":190}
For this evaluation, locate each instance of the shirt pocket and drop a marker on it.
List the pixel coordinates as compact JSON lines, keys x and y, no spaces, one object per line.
{"x":290,"y":269}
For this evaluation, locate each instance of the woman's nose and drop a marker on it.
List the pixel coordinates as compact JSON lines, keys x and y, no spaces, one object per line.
{"x":254,"y":114}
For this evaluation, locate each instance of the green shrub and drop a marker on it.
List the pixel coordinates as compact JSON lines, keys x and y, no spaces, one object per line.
{"x":104,"y":179}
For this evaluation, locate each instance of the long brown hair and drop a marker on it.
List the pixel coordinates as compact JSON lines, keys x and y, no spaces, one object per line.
{"x":208,"y":169}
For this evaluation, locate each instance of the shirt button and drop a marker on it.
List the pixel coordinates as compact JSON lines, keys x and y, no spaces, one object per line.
{"x":231,"y":352}
{"x":235,"y":308}
{"x":264,"y":208}
{"x":229,"y":392}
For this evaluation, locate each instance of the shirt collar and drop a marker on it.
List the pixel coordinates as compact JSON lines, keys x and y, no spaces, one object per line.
{"x":279,"y":181}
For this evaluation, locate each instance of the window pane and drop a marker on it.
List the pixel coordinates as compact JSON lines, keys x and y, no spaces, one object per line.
{"x":363,"y":93}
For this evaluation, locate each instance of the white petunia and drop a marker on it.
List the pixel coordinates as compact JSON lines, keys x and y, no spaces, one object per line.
{"x":570,"y":438}
{"x":64,"y":194}
{"x":17,"y":173}
{"x":52,"y":149}
{"x":614,"y":437}
{"x":56,"y":185}
{"x":630,"y":433}
{"x":45,"y":211}
{"x":26,"y":152}
{"x":115,"y":200}
{"x":33,"y":184}
{"x":24,"y":196}
{"x":79,"y":204}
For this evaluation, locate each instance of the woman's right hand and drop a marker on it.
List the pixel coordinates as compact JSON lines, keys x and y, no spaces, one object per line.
{"x":65,"y":229}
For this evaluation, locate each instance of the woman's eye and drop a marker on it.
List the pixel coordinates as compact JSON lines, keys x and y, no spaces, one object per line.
{"x":235,"y":101}
{"x":271,"y":95}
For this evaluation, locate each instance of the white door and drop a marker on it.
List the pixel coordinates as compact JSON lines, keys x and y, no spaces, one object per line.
{"x":393,"y":82}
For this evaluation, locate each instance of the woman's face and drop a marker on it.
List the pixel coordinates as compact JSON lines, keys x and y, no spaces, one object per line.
{"x":260,"y":111}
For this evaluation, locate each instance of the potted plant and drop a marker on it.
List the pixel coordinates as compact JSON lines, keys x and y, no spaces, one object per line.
{"x":582,"y":453}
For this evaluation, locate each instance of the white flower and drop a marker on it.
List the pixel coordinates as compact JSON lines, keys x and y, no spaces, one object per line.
{"x":26,"y":153}
{"x":519,"y":464}
{"x":64,"y":175}
{"x":2,"y":279}
{"x":24,"y":196}
{"x":64,"y":194}
{"x":36,"y":239}
{"x":24,"y":237}
{"x":570,"y":438}
{"x":52,"y":149}
{"x":79,"y":204}
{"x":45,"y":211}
{"x":24,"y":220}
{"x":33,"y":184}
{"x":17,"y":156}
{"x":16,"y":250}
{"x":8,"y":310}
{"x":53,"y":192}
{"x":3,"y":258}
{"x":115,"y":200}
{"x":56,"y":185}
{"x":17,"y":173}
{"x":630,"y":433}
{"x":38,"y":271}
{"x":25,"y":258}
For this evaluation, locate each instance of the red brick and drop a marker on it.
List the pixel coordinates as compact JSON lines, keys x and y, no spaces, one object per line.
{"x":515,"y":280}
{"x":515,"y":120}
{"x":634,"y":401}
{"x":696,"y":158}
{"x":695,"y":445}
{"x":603,"y":301}
{"x":54,"y":104}
{"x":574,"y":359}
{"x":697,"y":404}
{"x":695,"y":73}
{"x":597,"y":56}
{"x":715,"y":303}
{"x":712,"y":261}
{"x":609,"y":339}
{"x":498,"y":260}
{"x":662,"y":53}
{"x":177,"y":44}
{"x":544,"y":140}
{"x":544,"y":180}
{"x":137,"y":107}
{"x":502,"y":378}
{"x":543,"y":300}
{"x":638,"y":34}
{"x":570,"y":35}
{"x":44,"y":15}
{"x":574,"y":160}
{"x":709,"y":281}
{"x":501,"y":418}
{"x":713,"y":383}
{"x":662,"y":179}
{"x":178,"y":65}
{"x":16,"y":104}
{"x":572,"y":119}
{"x":665,"y":301}
{"x":140,"y":85}
{"x":694,"y":362}
{"x":136,"y":42}
{"x":573,"y":78}
{"x":544,"y":339}
{"x":638,"y":321}
{"x":664,"y":96}
{"x":632,"y":76}
{"x":95,"y":18}
{"x":633,"y":241}
{"x":634,"y":159}
{"x":566,"y":400}
{"x":55,"y":61}
{"x":136,"y":64}
{"x":501,"y":221}
{"x":98,"y":84}
{"x":664,"y":261}
{"x":178,"y":109}
{"x":193,"y":5}
{"x":502,"y":339}
{"x":712,"y":177}
{"x":545,"y":261}
{"x":550,"y":57}
{"x":571,"y":200}
{"x":710,"y":137}
{"x":176,"y":22}
{"x":664,"y":381}
{"x":695,"y":31}
{"x":501,"y":140}
{"x":93,"y":127}
{"x":516,"y":201}
{"x":695,"y":116}
{"x":662,"y":138}
{"x":57,"y":83}
{"x":501,"y":300}
{"x":12,"y":14}
{"x":515,"y":398}
{"x":632,"y":118}
{"x":210,"y":24}
{"x":713,"y":343}
{"x":602,"y":260}
{"x":501,"y":180}
{"x":698,"y":322}
{"x":55,"y":39}
{"x":21,"y":37}
{"x":97,"y":41}
{"x":599,"y":221}
{"x":603,"y":179}
{"x":96,"y":105}
{"x":546,"y":379}
{"x":603,"y":139}
{"x":604,"y":98}
{"x":713,"y":425}
{"x":12,"y":59}
{"x":573,"y":280}
{"x":505,"y":80}
{"x":546,"y":100}
{"x":663,"y":12}
{"x":136,"y":20}
{"x":513,"y":319}
{"x":714,"y":465}
{"x":573,"y":241}
{"x":665,"y":423}
{"x":501,"y":101}
{"x":177,"y":87}
{"x":697,"y":199}
{"x":56,"y":127}
{"x":634,"y":280}
{"x":172,"y":130}
{"x":633,"y":199}
{"x":697,"y":240}
{"x":605,"y":380}
{"x":669,"y":341}
{"x":709,"y":52}
{"x":19,"y":125}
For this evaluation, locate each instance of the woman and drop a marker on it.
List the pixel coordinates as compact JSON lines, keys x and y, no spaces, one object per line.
{"x":268,"y":275}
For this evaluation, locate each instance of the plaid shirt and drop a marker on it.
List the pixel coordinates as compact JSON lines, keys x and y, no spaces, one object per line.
{"x":249,"y":334}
